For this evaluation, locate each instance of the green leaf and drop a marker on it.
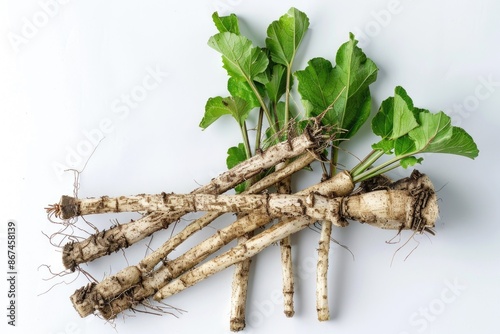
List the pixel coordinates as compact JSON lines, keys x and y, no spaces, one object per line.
{"x":414,"y":130}
{"x":264,"y":77}
{"x":285,"y":36}
{"x":410,"y":161}
{"x":434,"y":129}
{"x":385,"y":145}
{"x":404,"y":120}
{"x":242,"y":89}
{"x":407,"y":131}
{"x":383,"y":121}
{"x":395,"y":122}
{"x":343,"y":90}
{"x":226,"y":23}
{"x":356,"y":72}
{"x":218,"y":106}
{"x":354,"y":69}
{"x":276,"y":86}
{"x":460,"y":143}
{"x":317,"y":86}
{"x":404,"y":146}
{"x":236,"y":155}
{"x":436,"y":134}
{"x":239,"y":57}
{"x":353,"y":113}
{"x":395,"y":117}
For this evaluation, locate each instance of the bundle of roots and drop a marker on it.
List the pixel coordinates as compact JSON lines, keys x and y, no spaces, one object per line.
{"x":263,"y":218}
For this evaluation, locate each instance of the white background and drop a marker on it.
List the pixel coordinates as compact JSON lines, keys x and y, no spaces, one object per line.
{"x":63,"y":80}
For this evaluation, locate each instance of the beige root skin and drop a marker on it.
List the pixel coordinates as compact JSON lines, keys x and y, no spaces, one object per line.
{"x":348,"y":207}
{"x":322,"y":307}
{"x":272,"y":205}
{"x":322,"y":271}
{"x":97,"y":297}
{"x":110,"y":298}
{"x":285,"y":187}
{"x":172,"y":203}
{"x":112,"y":240}
{"x":418,"y":211}
{"x":69,"y":207}
{"x":174,"y":268}
{"x":149,"y":262}
{"x":125,"y":235}
{"x":412,"y":200}
{"x":238,"y":253}
{"x":239,"y":291}
{"x":287,"y":273}
{"x":340,"y":184}
{"x":237,"y":319}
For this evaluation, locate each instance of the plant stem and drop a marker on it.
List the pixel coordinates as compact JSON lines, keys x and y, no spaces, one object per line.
{"x":334,"y":156}
{"x":263,"y":105}
{"x":258,"y":134}
{"x":246,"y":142}
{"x":287,"y":95}
{"x":366,"y":163}
{"x":376,"y":172}
{"x":363,"y":175}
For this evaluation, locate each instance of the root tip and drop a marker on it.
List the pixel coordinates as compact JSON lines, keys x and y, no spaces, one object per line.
{"x":237,"y":325}
{"x":80,"y":300}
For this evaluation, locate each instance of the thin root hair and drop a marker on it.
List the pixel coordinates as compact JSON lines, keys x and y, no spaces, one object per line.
{"x":146,"y":306}
{"x":56,"y":275}
{"x":158,"y":308}
{"x":77,"y":173}
{"x":65,"y":237}
{"x":174,"y":225}
{"x":87,"y":275}
{"x":316,"y":228}
{"x":96,"y":230}
{"x":442,"y":187}
{"x":66,"y":233}
{"x":391,"y":240}
{"x":124,"y":256}
{"x":148,"y":246}
{"x":412,"y":237}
